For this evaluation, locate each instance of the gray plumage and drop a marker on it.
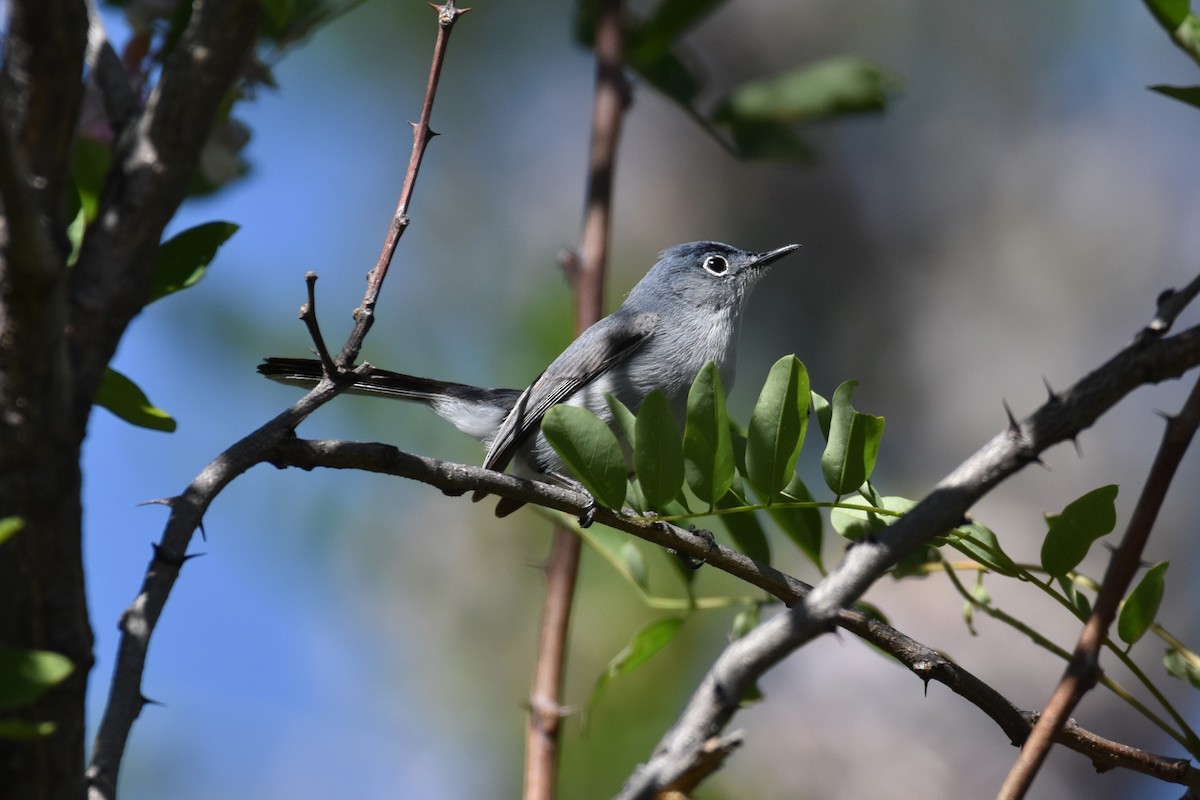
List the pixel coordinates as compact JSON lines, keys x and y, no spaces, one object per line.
{"x":685,"y":312}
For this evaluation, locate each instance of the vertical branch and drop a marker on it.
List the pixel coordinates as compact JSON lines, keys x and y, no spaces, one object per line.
{"x":1084,"y":667}
{"x":587,"y":277}
{"x":364,"y":315}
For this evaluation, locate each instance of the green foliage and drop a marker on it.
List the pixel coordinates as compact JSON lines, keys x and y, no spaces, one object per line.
{"x":979,"y":543}
{"x":590,"y":450}
{"x":1072,"y":532}
{"x":1141,"y":606}
{"x":657,"y":452}
{"x":1183,"y":665}
{"x":184,"y":258}
{"x":646,"y":642}
{"x":10,"y":527}
{"x":707,"y":446}
{"x":801,"y":524}
{"x":123,"y":398}
{"x":25,"y":675}
{"x":852,"y":443}
{"x":1184,"y":94}
{"x":759,"y":115}
{"x":777,"y":427}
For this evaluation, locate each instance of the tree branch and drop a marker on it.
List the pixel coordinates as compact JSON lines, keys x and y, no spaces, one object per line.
{"x":152,"y":163}
{"x":925,"y":662}
{"x":1149,"y":359}
{"x":1084,"y":667}
{"x":586,"y":275}
{"x":187,"y":510}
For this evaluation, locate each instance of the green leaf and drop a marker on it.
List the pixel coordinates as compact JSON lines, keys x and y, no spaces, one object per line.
{"x":1183,"y":666}
{"x":123,"y":398}
{"x":25,"y":675}
{"x":649,"y":640}
{"x":1141,"y":606}
{"x":20,"y":730}
{"x":658,"y":453}
{"x":1169,"y":13}
{"x":978,"y":543}
{"x":1184,"y":94}
{"x":777,"y":427}
{"x":279,"y":12}
{"x":765,"y":140}
{"x":590,"y":450}
{"x":855,"y":524}
{"x":620,"y":551}
{"x":824,"y":414}
{"x":745,"y":530}
{"x":1072,"y":532}
{"x":624,"y":419}
{"x":672,"y":19}
{"x":707,"y":446}
{"x":746,"y":620}
{"x":90,"y":160}
{"x":184,"y":258}
{"x":10,"y":527}
{"x":1078,"y":600}
{"x":853,"y":445}
{"x":831,"y":88}
{"x":802,"y":525}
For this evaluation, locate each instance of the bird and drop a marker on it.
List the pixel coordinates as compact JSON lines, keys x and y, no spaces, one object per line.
{"x":686,"y":311}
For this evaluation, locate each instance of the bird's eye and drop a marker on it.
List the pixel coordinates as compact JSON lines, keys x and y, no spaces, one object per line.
{"x":717,"y":265}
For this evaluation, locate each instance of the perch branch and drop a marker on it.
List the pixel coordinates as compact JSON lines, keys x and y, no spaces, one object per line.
{"x":125,"y":699}
{"x":1062,"y":417}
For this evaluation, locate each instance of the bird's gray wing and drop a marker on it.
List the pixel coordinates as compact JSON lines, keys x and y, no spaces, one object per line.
{"x":596,"y":351}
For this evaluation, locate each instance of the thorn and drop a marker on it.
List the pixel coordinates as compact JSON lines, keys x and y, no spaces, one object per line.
{"x":1078,"y":448}
{"x":163,"y":557}
{"x":570,"y":263}
{"x":1014,"y":427}
{"x":1052,"y":396}
{"x":1166,"y":416}
{"x":146,"y":701}
{"x":161,"y":501}
{"x":203,"y":533}
{"x":1038,"y":460}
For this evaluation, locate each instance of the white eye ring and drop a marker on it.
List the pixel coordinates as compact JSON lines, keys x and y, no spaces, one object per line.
{"x":717,"y":265}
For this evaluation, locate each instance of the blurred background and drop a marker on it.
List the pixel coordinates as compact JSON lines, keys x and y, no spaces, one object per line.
{"x":1011,"y":217}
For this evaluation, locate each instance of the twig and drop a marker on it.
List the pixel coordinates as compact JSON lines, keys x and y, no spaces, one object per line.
{"x":308,"y":314}
{"x":1062,"y":417}
{"x":1084,"y":667}
{"x":587,"y":281}
{"x":187,"y":510}
{"x":364,"y":315}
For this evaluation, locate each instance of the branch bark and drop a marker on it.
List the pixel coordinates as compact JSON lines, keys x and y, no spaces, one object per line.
{"x":543,"y":731}
{"x":1062,"y":417}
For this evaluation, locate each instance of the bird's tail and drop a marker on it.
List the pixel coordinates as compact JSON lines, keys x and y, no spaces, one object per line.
{"x":305,"y":372}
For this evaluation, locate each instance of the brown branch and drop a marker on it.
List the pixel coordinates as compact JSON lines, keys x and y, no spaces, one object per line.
{"x":925,"y":662}
{"x":187,"y":510}
{"x":1062,"y":417}
{"x":364,"y":315}
{"x":587,"y":279}
{"x":1084,"y":668}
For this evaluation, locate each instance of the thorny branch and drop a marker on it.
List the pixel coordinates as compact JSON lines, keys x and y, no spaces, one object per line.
{"x":187,"y":510}
{"x":1062,"y":417}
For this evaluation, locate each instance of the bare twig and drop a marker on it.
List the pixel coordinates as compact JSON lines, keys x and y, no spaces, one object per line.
{"x":587,"y":281}
{"x":187,"y":510}
{"x":1062,"y":417}
{"x":1084,"y":667}
{"x":365,"y":314}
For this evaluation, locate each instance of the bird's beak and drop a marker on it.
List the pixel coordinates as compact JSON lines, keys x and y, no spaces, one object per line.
{"x":762,"y":259}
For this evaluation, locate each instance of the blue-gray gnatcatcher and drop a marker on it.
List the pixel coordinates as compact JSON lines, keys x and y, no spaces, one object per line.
{"x":683,"y":314}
